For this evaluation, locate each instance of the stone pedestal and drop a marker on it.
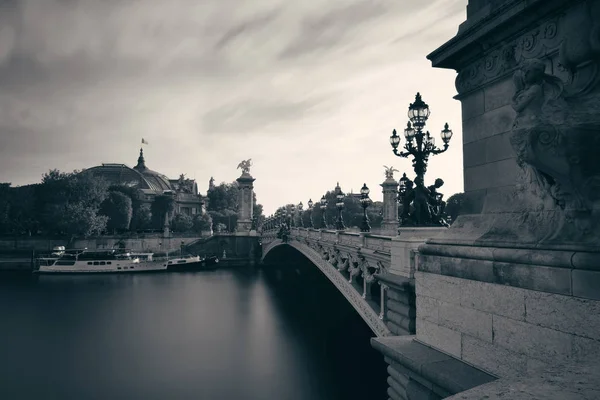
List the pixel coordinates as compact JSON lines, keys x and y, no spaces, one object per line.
{"x":389,"y":225}
{"x":405,"y":247}
{"x":245,"y":200}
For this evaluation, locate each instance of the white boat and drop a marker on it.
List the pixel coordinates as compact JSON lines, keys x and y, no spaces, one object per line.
{"x":191,"y":263}
{"x":98,"y":261}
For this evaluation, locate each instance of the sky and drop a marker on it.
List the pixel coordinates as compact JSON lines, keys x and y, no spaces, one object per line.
{"x":309,"y":90}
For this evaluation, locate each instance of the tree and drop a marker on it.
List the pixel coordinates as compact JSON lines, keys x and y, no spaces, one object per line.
{"x":79,"y":220}
{"x":161,"y":208}
{"x":5,"y":191}
{"x":136,"y":196}
{"x":202,"y":223}
{"x":375,"y":213}
{"x":142,"y":220}
{"x":257,"y":211}
{"x":117,"y":207}
{"x":69,"y":203}
{"x":456,"y":205}
{"x":182,"y":223}
{"x":223,"y":197}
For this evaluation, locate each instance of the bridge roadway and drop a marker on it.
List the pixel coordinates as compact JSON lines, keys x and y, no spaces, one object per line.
{"x":345,"y":258}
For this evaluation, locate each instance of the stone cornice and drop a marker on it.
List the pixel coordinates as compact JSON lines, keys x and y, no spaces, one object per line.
{"x":536,"y":257}
{"x":421,"y":361}
{"x":491,"y":48}
{"x":473,"y":41}
{"x":395,"y":281}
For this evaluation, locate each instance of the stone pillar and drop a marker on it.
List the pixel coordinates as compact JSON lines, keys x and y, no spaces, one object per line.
{"x":389,"y":226}
{"x":245,"y":209}
{"x":530,"y":99}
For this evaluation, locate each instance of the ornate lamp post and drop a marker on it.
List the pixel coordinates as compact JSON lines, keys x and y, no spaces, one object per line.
{"x":278,"y":217}
{"x":310,"y":210}
{"x":405,"y":187}
{"x":339,"y":196}
{"x":323,"y":209}
{"x":365,"y":202}
{"x":300,"y":207}
{"x":419,"y":144}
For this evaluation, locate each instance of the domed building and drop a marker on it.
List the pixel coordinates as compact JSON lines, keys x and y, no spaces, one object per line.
{"x":151,"y":183}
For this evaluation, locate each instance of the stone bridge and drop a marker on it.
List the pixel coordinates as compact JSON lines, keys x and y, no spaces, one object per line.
{"x":504,"y":303}
{"x":350,"y":261}
{"x":374,"y":272}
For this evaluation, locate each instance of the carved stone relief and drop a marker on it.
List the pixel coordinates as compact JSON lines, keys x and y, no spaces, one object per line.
{"x":556,"y":132}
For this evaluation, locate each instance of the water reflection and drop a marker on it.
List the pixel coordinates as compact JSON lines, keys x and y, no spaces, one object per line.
{"x":225,"y":334}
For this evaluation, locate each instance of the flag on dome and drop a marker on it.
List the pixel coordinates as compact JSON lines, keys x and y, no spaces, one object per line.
{"x":144,"y":141}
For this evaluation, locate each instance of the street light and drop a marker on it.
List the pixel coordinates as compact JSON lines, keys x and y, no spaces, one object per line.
{"x":365,"y":202}
{"x":323,"y":209}
{"x":419,"y":144}
{"x":339,"y":196}
{"x":300,"y":207}
{"x":310,"y":210}
{"x":405,"y":188}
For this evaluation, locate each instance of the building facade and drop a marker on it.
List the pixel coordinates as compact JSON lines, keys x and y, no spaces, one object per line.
{"x":151,"y":183}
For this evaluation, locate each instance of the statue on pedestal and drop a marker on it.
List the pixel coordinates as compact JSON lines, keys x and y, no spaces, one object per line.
{"x":421,"y":205}
{"x":389,"y":172}
{"x":245,"y":166}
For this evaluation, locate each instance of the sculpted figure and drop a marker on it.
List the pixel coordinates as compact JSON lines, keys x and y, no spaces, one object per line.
{"x":245,"y":166}
{"x":407,"y":195}
{"x":389,"y":172}
{"x":539,"y":108}
{"x":436,"y":203}
{"x":422,"y":214}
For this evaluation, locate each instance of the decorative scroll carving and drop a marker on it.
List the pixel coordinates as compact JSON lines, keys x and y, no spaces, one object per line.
{"x":335,"y":258}
{"x":495,"y":64}
{"x":537,"y":43}
{"x":353,"y":270}
{"x":345,"y":263}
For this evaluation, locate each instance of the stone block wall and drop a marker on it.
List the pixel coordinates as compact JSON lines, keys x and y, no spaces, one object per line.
{"x":489,"y":160}
{"x":504,"y":330}
{"x":400,"y":308}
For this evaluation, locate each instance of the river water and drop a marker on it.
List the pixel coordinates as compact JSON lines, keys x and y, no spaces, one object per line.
{"x":275,"y":332}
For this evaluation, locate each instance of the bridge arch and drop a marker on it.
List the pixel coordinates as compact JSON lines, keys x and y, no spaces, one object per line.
{"x":361,"y":306}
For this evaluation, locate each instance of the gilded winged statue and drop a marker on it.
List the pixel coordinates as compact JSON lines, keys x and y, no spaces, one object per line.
{"x":389,"y":171}
{"x":245,"y":166}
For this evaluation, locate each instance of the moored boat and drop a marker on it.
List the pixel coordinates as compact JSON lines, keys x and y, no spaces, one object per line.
{"x":97,"y":261}
{"x":191,"y":263}
{"x":184,"y":263}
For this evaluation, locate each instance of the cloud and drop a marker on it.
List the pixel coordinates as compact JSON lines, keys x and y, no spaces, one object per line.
{"x":254,"y":114}
{"x":81,"y":81}
{"x":259,"y":21}
{"x":322,"y":32}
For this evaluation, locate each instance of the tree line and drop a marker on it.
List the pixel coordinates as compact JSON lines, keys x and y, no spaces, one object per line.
{"x":223,"y":207}
{"x":352,"y":212}
{"x":78,"y":204}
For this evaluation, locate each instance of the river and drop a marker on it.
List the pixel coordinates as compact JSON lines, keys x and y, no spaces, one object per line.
{"x":275,"y":332}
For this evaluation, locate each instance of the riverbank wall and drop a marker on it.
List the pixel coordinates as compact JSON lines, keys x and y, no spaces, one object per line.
{"x":17,"y":254}
{"x":147,"y":243}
